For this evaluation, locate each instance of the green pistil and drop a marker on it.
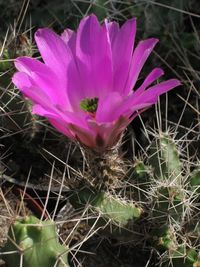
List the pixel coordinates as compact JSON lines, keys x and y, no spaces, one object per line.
{"x":89,"y":104}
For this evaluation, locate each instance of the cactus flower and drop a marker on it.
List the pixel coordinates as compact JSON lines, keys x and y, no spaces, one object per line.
{"x":86,"y":84}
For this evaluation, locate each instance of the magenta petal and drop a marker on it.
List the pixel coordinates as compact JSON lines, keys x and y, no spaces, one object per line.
{"x":61,"y":127}
{"x":42,"y":111}
{"x":137,"y":101}
{"x":66,"y":35}
{"x":29,"y":65}
{"x":107,"y":134}
{"x":84,"y":136}
{"x":113,"y":30}
{"x":69,"y":37}
{"x":115,"y":106}
{"x":66,"y":117}
{"x":54,"y":119}
{"x":66,"y":126}
{"x":140,"y":56}
{"x":108,"y":107}
{"x":22,"y":81}
{"x":59,"y":57}
{"x":93,"y":57}
{"x":122,"y":42}
{"x":160,"y":89}
{"x":52,"y":49}
{"x":152,"y":77}
{"x":150,"y":96}
{"x":42,"y":77}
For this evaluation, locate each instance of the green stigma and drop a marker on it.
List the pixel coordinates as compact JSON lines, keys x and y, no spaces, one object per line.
{"x":89,"y":104}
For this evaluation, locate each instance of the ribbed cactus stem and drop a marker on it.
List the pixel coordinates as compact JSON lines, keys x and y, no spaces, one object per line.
{"x":168,"y":188}
{"x":164,"y":158}
{"x":33,"y":243}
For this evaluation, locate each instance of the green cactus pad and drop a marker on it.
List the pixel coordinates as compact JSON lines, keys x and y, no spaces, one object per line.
{"x":35,"y":243}
{"x":118,"y":211}
{"x":164,"y":158}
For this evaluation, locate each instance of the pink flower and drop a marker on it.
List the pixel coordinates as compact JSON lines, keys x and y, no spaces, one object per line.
{"x":86,"y":85}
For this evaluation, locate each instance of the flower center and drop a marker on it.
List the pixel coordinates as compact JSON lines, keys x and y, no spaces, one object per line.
{"x":89,"y":104}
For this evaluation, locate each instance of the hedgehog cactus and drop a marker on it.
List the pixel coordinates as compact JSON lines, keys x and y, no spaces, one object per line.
{"x":168,"y":188}
{"x":32,"y":243}
{"x":170,"y":211}
{"x":164,"y":158}
{"x":93,"y":106}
